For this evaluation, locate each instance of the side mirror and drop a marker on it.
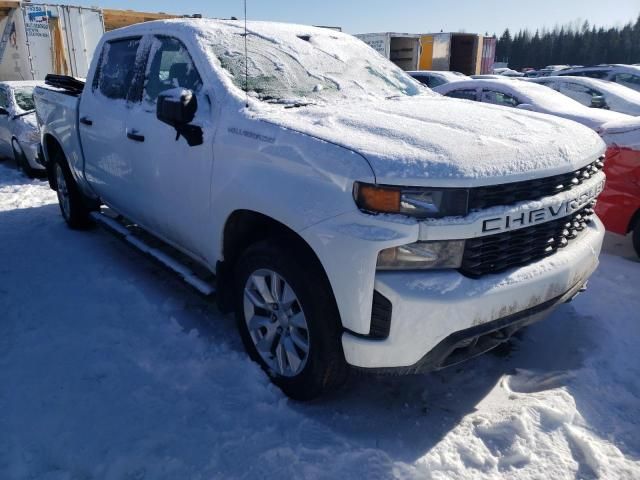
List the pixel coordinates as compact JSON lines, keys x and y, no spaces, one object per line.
{"x":4,"y":111}
{"x":526,"y":106}
{"x":598,"y":101}
{"x":177,"y":107}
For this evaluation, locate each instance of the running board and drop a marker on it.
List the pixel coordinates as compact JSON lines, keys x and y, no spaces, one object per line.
{"x":127,"y":233}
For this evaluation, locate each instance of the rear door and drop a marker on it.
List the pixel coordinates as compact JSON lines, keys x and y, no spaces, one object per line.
{"x":104,"y":109}
{"x":175,"y":177}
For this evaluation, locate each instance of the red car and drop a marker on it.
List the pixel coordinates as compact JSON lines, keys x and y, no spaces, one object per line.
{"x":619,"y":205}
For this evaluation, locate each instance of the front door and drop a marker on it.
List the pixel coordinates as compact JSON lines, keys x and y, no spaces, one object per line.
{"x":174,"y":176}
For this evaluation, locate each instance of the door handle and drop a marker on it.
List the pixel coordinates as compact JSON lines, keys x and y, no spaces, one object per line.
{"x":86,"y":121}
{"x":135,"y":136}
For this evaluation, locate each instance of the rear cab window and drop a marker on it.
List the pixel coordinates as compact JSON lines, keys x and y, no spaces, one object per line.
{"x":117,"y":68}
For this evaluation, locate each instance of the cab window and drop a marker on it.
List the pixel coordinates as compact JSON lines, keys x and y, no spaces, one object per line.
{"x":170,"y":66}
{"x":580,"y":93}
{"x":628,"y":80}
{"x":117,"y":67}
{"x":465,"y":94}
{"x":499,"y":98}
{"x":601,"y":74}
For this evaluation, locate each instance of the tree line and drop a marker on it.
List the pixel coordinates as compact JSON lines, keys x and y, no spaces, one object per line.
{"x":570,"y":45}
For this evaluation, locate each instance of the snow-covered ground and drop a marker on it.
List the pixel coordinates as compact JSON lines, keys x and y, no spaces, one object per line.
{"x":110,"y":368}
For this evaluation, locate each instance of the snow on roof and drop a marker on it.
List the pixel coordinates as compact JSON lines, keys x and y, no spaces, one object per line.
{"x":607,"y":87}
{"x":22,"y":83}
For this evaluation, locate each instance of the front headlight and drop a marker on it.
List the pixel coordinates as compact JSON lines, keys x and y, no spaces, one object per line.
{"x":416,"y":202}
{"x":420,"y":255}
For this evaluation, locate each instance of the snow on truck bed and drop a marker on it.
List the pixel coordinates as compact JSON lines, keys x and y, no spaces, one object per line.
{"x":111,"y":368}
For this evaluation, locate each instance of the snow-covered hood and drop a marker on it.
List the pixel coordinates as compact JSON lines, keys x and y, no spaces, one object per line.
{"x":624,"y":134}
{"x":437,"y":141}
{"x":593,"y":118}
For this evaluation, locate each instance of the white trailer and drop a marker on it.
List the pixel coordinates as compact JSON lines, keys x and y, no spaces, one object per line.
{"x":403,"y":49}
{"x":39,"y":38}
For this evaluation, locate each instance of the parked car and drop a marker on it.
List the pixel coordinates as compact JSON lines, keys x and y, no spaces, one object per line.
{"x":595,"y":93}
{"x":351,"y":216}
{"x":627,"y":75}
{"x":19,"y":135}
{"x":432,"y":78}
{"x":526,"y":95}
{"x":619,"y":205}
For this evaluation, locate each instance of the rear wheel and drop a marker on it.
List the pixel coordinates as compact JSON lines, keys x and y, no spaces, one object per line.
{"x":288,"y":320}
{"x":636,"y":238}
{"x":73,"y":205}
{"x":21,"y":160}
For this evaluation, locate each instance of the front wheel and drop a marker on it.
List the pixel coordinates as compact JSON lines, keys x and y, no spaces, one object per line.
{"x":636,"y":238}
{"x":288,"y":320}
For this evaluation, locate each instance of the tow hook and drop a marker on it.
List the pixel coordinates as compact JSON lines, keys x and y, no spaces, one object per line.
{"x":583,"y":288}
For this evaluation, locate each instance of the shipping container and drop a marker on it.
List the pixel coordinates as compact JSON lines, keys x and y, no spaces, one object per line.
{"x":488,"y":55}
{"x":459,"y":52}
{"x":38,"y":39}
{"x":403,"y":49}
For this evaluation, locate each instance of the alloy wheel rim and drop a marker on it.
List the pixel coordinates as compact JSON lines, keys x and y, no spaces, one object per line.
{"x":63,"y":191}
{"x":276,"y":323}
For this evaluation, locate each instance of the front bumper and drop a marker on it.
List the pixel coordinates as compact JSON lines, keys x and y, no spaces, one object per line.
{"x":32,"y":151}
{"x":442,"y":317}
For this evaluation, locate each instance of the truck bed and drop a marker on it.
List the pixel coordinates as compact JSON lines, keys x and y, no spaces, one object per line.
{"x":57,"y":113}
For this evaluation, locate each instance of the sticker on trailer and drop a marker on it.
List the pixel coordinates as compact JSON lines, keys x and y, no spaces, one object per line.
{"x":36,"y":25}
{"x":36,"y":21}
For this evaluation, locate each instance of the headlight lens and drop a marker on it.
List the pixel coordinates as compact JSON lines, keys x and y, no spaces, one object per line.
{"x":416,"y":202}
{"x":421,"y":255}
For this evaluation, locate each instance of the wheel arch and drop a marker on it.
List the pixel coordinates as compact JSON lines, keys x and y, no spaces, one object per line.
{"x":244,"y":228}
{"x":634,"y":222}
{"x":51,"y":146}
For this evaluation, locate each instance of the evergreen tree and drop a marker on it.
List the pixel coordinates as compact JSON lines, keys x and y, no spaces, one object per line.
{"x":571,"y":44}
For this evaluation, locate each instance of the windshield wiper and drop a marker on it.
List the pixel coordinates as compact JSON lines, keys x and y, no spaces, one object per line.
{"x":28,"y":112}
{"x":299,"y":104}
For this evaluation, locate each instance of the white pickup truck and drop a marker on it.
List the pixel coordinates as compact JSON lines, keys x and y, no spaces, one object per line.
{"x":352,"y":217}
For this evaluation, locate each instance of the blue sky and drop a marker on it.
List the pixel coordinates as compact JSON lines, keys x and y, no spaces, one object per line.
{"x":357,"y":16}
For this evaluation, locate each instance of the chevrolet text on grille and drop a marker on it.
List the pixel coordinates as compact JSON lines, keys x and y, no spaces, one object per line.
{"x":541,"y":215}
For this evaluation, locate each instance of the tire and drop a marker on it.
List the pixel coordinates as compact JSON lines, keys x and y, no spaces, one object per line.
{"x":636,"y":238}
{"x":73,"y":205}
{"x":21,"y":160}
{"x":322,"y":368}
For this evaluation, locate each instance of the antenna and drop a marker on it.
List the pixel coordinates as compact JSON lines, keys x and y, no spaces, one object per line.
{"x":246,"y":58}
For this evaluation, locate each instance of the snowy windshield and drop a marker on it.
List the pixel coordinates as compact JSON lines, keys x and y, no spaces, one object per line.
{"x":291,"y":65}
{"x":24,"y":98}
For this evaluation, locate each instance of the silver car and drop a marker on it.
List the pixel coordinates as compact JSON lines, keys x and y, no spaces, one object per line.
{"x":19,"y":135}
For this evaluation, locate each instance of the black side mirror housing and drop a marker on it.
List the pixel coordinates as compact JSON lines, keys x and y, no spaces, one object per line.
{"x":598,"y":101}
{"x":177,"y":107}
